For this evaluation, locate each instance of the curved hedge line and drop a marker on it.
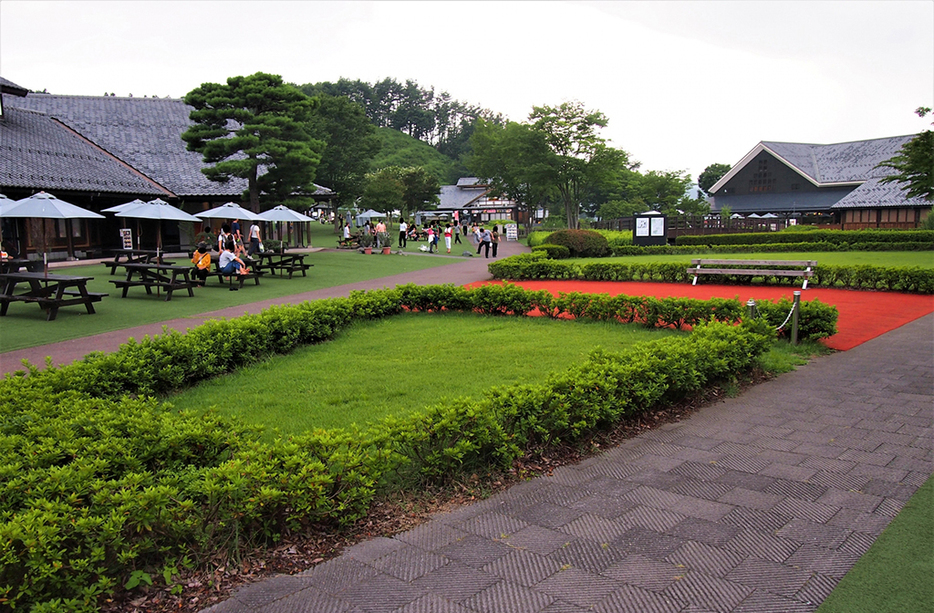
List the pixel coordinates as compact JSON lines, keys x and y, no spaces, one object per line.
{"x":101,"y":485}
{"x":853,"y":238}
{"x":523,"y":267}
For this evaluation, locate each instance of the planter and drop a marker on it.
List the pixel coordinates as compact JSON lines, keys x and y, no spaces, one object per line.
{"x":368,"y":250}
{"x":387,"y":250}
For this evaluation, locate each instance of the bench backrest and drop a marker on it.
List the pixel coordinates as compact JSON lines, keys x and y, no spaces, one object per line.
{"x":806,"y":263}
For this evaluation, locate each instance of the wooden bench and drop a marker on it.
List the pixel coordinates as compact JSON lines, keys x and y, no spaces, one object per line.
{"x":764,"y":268}
{"x":253,"y":274}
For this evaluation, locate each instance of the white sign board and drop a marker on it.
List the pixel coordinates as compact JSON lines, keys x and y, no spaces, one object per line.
{"x":126,"y":236}
{"x":512,"y":232}
{"x":642,"y":226}
{"x":658,"y":226}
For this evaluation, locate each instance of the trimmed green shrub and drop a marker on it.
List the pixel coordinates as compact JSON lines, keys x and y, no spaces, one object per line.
{"x":849,"y":237}
{"x":581,"y":243}
{"x":554,"y":252}
{"x":102,"y":486}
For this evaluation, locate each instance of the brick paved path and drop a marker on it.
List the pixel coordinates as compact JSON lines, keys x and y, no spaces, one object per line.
{"x":760,"y":503}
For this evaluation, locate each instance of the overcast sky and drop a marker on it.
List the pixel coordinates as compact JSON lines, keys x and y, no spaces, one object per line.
{"x":684,"y":84}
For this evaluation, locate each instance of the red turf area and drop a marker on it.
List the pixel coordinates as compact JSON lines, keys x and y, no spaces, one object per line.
{"x":863,"y":315}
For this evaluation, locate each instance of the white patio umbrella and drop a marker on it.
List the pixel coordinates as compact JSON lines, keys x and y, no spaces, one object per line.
{"x":159,"y":210}
{"x":230,"y":210}
{"x":754,"y":216}
{"x":46,"y":206}
{"x":770,"y":216}
{"x":283,"y":213}
{"x":370,"y":214}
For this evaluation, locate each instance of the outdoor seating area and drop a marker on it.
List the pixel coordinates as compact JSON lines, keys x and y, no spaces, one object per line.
{"x":272,"y":261}
{"x":135,"y":256}
{"x":167,"y":277}
{"x":50,"y":292}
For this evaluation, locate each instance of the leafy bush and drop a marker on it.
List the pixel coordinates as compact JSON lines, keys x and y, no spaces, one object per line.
{"x":102,"y":486}
{"x":581,"y":243}
{"x":554,"y":252}
{"x":853,"y":238}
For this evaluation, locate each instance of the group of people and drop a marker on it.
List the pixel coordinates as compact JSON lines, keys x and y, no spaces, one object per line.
{"x":231,"y":248}
{"x":486,"y":240}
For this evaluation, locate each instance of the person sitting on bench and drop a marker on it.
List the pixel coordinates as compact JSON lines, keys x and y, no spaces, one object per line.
{"x":229,"y":263}
{"x":202,"y":261}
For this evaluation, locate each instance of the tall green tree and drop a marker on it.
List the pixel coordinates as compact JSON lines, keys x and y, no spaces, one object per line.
{"x":710,"y":176}
{"x":914,"y":165}
{"x":256,"y":128}
{"x":579,"y":160}
{"x":351,"y":143}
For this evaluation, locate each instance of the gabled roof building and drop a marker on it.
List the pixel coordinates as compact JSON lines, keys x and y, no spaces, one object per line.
{"x":98,"y":151}
{"x":839,"y":180}
{"x":471,"y":200}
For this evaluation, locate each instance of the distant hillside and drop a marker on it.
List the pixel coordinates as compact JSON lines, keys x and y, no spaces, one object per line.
{"x":399,"y":149}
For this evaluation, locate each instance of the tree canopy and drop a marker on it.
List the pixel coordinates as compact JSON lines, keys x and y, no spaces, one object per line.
{"x":255,"y":128}
{"x":351,"y":141}
{"x":407,"y":189}
{"x":558,"y":155}
{"x":710,"y":176}
{"x":914,"y":165}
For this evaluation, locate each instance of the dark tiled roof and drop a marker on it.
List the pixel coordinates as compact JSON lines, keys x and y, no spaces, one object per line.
{"x":787,"y":202}
{"x":9,"y":87}
{"x":840,"y":162}
{"x":143,"y":132}
{"x":457,"y":197}
{"x":874,"y":194}
{"x":38,"y":152}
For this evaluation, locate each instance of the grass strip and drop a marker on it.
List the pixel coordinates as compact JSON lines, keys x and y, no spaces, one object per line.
{"x":895,"y":575}
{"x":924,"y":259}
{"x":25,"y":324}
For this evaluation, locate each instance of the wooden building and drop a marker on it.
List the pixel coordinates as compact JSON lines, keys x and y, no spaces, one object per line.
{"x":840,"y":184}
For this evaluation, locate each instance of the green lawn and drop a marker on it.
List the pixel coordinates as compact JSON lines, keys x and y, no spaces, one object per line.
{"x":896,"y":574}
{"x":924,"y":259}
{"x":402,"y":363}
{"x":25,"y":325}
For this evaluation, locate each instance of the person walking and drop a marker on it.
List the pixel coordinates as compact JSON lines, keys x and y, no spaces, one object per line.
{"x":431,"y":238}
{"x":495,"y":239}
{"x":403,"y":232}
{"x":448,"y":232}
{"x":254,"y":240}
{"x":457,"y":234}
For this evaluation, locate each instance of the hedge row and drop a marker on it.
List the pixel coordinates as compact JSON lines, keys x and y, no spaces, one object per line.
{"x":523,"y":267}
{"x":620,"y":250}
{"x":851,"y":237}
{"x":102,"y":486}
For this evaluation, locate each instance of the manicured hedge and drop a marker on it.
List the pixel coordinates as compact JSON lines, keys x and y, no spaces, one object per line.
{"x":620,"y":250}
{"x":555,"y":252}
{"x":102,"y":486}
{"x":853,"y":238}
{"x":581,"y":243}
{"x":523,"y":267}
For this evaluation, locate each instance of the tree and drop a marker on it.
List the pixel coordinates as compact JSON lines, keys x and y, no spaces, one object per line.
{"x":255,"y":128}
{"x":351,"y":143}
{"x":579,"y":159}
{"x":512,"y":159}
{"x":407,"y":189}
{"x":915,"y":164}
{"x":710,"y":176}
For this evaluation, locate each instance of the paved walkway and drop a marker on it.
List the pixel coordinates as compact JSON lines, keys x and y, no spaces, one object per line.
{"x":759,"y":503}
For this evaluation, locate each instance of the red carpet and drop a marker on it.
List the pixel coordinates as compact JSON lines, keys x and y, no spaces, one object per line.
{"x":863,"y":315}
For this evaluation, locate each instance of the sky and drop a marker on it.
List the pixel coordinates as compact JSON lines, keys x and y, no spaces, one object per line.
{"x":683,"y":84}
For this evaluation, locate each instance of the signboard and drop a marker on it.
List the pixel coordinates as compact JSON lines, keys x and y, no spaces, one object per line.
{"x":642,"y":226}
{"x":512,"y":232}
{"x":126,"y":236}
{"x":650,"y":230}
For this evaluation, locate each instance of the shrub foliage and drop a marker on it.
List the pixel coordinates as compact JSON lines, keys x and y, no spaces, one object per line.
{"x":102,"y":486}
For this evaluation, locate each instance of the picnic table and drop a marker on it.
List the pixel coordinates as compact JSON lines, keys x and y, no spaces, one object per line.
{"x":135,"y":256}
{"x":169,"y":277}
{"x":272,"y":261}
{"x":14,"y":264}
{"x":50,"y":292}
